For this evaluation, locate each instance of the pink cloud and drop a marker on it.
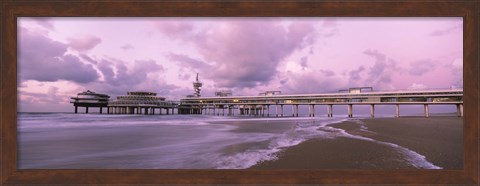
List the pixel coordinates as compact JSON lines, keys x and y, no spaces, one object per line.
{"x":174,"y":29}
{"x":127,"y":47}
{"x":45,"y":22}
{"x":84,"y":43}
{"x":247,"y":52}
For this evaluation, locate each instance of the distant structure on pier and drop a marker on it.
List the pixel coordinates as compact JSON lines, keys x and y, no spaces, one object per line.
{"x":140,"y":102}
{"x":270,"y":93}
{"x":223,"y":93}
{"x":356,"y":90}
{"x":196,"y":87}
{"x":89,"y":99}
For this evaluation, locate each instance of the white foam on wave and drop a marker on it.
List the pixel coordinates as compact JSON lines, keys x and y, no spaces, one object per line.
{"x":413,"y":158}
{"x":244,"y":160}
{"x":97,"y":120}
{"x":303,"y":131}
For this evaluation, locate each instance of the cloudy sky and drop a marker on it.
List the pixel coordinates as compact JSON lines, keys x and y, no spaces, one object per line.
{"x":59,"y":57}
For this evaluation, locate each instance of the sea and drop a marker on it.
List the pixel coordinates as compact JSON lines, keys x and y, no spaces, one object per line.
{"x":100,"y":141}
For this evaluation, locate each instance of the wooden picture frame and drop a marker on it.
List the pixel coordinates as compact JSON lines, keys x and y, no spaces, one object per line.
{"x":10,"y":10}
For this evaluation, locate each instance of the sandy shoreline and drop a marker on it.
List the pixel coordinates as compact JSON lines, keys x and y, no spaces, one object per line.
{"x":439,"y":139}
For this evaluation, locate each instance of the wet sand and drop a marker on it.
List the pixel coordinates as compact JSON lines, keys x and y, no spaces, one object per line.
{"x":439,"y":139}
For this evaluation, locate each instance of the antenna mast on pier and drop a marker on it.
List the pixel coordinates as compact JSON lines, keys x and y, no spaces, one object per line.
{"x":196,"y":87}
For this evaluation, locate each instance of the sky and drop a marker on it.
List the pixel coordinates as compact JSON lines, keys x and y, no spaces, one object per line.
{"x":60,"y":57}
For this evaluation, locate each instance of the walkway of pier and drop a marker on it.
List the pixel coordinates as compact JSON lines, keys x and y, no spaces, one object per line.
{"x":262,"y":105}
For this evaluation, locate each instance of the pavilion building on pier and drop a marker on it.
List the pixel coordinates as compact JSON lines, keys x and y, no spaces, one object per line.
{"x":141,"y":102}
{"x":89,"y":99}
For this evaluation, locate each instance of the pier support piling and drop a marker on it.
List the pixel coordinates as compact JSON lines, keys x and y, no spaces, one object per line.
{"x":313,"y":110}
{"x":293,"y":110}
{"x":350,"y":110}
{"x":425,"y":108}
{"x":281,"y":110}
{"x":276,"y":110}
{"x":296,"y":110}
{"x":268,"y":110}
{"x":263,"y":110}
{"x":459,"y":110}
{"x":372,"y":111}
{"x":330,"y":110}
{"x":397,"y":110}
{"x":309,"y":110}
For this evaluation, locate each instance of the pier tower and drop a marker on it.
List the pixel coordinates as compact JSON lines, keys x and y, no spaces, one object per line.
{"x":196,"y":87}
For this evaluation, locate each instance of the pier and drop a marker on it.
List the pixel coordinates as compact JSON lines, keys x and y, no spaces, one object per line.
{"x":269,"y":103}
{"x":274,"y":104}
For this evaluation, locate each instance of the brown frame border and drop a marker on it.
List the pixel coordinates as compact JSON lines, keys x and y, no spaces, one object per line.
{"x":10,"y":175}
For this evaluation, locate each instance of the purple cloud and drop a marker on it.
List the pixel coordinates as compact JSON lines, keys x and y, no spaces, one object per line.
{"x":87,"y":58}
{"x":303,"y":62}
{"x":421,"y":67}
{"x":118,"y":78}
{"x":127,"y":47}
{"x":311,"y":82}
{"x":246,"y":52}
{"x":355,"y":74}
{"x":327,"y":73}
{"x":51,"y":97}
{"x":379,"y":75}
{"x":174,"y":29}
{"x":456,"y":68}
{"x":445,"y":31}
{"x":186,"y":61}
{"x":183,"y":76}
{"x":84,"y":43}
{"x":283,"y":81}
{"x":43,"y":59}
{"x":330,"y":22}
{"x":44,"y":22}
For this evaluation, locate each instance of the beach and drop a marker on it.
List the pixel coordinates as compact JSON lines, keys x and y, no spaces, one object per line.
{"x":376,"y":143}
{"x":61,"y":140}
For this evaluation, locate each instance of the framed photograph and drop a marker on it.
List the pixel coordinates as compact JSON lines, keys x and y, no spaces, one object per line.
{"x":239,"y":92}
